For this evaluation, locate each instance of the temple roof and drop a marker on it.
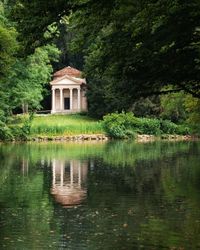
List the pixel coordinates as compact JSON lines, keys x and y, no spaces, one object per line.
{"x":67,"y":71}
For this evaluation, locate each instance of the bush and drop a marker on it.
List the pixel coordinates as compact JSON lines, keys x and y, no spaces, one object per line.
{"x":120,"y":125}
{"x":126,"y":125}
{"x":183,"y":130}
{"x":149,"y":126}
{"x":26,"y":128}
{"x":16,"y":132}
{"x":19,"y":133}
{"x":168,"y":127}
{"x":5,"y":132}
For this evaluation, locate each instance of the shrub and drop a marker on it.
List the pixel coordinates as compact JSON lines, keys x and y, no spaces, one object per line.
{"x":26,"y":128}
{"x":22,"y":132}
{"x":18,"y":133}
{"x":126,"y":125}
{"x":183,"y":130}
{"x":5,"y":132}
{"x":168,"y":127}
{"x":116,"y":131}
{"x":149,"y":126}
{"x":120,"y":125}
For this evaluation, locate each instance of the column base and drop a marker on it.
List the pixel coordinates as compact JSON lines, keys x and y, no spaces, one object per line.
{"x":70,"y":111}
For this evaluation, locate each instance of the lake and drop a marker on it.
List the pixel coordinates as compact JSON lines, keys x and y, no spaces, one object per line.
{"x":115,"y":195}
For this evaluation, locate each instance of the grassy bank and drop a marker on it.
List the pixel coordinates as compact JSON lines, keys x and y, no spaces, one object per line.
{"x":116,"y":125}
{"x":57,"y":125}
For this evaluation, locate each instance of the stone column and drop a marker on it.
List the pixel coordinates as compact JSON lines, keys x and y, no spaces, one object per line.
{"x":61,"y":99}
{"x":71,"y":99}
{"x":53,"y":101}
{"x":79,"y":99}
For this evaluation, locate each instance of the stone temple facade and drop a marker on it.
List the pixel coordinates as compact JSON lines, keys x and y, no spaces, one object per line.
{"x":68,"y":91}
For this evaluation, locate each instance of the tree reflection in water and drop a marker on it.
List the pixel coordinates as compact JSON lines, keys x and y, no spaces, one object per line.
{"x":69,"y":181}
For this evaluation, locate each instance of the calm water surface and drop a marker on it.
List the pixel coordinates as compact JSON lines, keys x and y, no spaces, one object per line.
{"x":116,"y":195}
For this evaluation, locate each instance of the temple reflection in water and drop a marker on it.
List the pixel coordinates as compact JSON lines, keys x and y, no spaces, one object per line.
{"x":69,"y":181}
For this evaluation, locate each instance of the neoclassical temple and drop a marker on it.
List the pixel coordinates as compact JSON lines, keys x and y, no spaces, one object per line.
{"x":68,"y":91}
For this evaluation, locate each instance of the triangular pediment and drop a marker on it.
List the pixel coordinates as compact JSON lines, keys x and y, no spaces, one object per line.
{"x":70,"y":71}
{"x":68,"y":80}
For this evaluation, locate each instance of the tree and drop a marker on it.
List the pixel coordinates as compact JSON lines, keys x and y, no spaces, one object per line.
{"x":131,"y":48}
{"x":173,"y":107}
{"x":33,"y":17}
{"x":147,"y":107}
{"x":135,"y":48}
{"x":193,"y":108}
{"x":28,"y":78}
{"x":8,"y":42}
{"x":8,"y":49}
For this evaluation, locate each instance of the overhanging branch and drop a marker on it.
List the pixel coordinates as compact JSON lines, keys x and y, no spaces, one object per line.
{"x":162,"y":92}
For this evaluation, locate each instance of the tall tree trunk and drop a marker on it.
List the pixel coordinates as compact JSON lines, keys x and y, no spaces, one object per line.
{"x":23,"y":108}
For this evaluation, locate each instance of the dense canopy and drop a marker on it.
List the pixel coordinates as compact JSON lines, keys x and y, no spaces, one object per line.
{"x":127,"y":49}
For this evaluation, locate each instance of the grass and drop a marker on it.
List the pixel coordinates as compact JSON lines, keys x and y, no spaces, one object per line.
{"x":56,"y":125}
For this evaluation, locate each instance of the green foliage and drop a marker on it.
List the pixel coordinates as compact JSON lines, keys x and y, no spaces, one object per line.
{"x":8,"y":43}
{"x":173,"y":107}
{"x":33,"y":18}
{"x":125,"y":125}
{"x":8,"y":49}
{"x":183,"y":130}
{"x":133,"y":49}
{"x":120,"y":125}
{"x":22,"y":127}
{"x":5,"y":132}
{"x":26,"y":128}
{"x":18,"y":132}
{"x":147,"y":107}
{"x":181,"y":108}
{"x":193,"y":108}
{"x":168,"y":127}
{"x":149,"y":126}
{"x":28,"y":78}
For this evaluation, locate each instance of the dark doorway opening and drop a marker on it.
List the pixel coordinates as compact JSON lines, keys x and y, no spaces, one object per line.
{"x":66,"y":103}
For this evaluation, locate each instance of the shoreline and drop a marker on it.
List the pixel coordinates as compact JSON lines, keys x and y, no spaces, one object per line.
{"x":103,"y":137}
{"x":140,"y":138}
{"x":80,"y":137}
{"x":148,"y":138}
